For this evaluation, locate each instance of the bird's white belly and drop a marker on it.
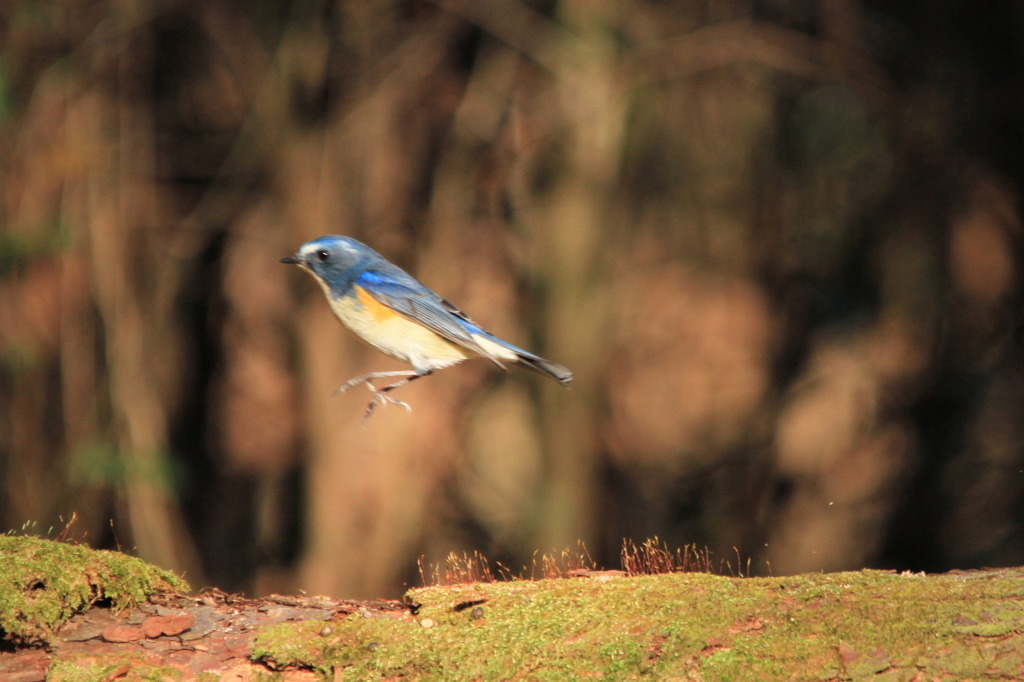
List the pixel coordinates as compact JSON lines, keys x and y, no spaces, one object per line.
{"x":396,"y":335}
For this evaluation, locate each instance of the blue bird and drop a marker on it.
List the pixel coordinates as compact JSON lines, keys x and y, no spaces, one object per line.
{"x":390,"y":310}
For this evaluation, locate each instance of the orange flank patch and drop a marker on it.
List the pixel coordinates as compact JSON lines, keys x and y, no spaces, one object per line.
{"x":379,"y":311}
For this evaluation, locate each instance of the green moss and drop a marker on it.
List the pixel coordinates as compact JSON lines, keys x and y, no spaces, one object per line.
{"x":254,"y":676}
{"x":77,"y":669}
{"x":842,"y":626}
{"x":88,"y":669}
{"x":43,"y":583}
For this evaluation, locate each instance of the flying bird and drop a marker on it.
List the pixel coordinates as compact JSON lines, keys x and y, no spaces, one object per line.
{"x":392,"y":311}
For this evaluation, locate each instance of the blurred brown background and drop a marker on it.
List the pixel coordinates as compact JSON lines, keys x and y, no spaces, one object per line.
{"x":778,"y":241}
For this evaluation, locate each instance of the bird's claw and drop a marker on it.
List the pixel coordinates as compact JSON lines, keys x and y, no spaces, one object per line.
{"x":380,"y":395}
{"x":349,"y":384}
{"x":379,"y":398}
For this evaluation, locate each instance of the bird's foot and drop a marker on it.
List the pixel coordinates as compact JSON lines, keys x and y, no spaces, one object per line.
{"x":368,"y":378}
{"x":380,"y":395}
{"x":382,"y":398}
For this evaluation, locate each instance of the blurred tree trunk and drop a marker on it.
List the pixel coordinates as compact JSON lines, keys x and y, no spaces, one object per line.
{"x":777,"y":243}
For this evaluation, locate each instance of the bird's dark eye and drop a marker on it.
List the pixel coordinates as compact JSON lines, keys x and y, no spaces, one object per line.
{"x":322,"y":255}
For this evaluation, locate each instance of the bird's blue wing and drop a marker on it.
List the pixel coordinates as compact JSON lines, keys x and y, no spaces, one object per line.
{"x":405,"y":295}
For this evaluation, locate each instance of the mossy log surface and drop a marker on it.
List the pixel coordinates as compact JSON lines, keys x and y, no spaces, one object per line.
{"x":132,"y":621}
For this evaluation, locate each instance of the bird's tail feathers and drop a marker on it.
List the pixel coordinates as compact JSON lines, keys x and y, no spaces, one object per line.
{"x":558,"y":372}
{"x":496,"y":350}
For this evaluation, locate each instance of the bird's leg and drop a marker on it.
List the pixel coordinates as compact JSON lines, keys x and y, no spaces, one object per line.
{"x":367,"y":378}
{"x":380,"y":396}
{"x":403,"y":382}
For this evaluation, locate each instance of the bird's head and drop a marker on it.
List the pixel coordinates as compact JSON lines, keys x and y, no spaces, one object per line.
{"x":331,"y":258}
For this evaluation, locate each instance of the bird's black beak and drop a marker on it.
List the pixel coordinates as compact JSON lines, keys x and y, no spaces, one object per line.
{"x":292,"y":260}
